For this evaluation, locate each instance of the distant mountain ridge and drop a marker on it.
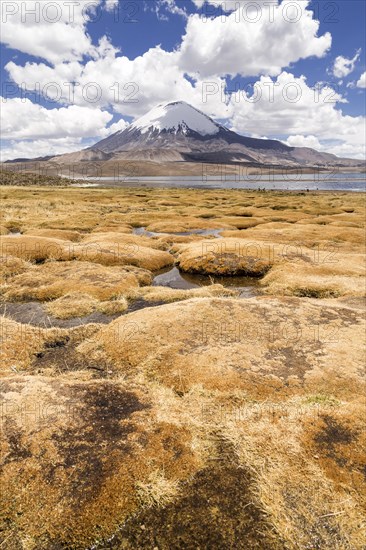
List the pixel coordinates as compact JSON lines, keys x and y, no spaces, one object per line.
{"x":178,"y":132}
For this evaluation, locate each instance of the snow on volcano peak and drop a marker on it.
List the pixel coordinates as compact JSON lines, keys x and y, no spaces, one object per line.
{"x":176,"y":116}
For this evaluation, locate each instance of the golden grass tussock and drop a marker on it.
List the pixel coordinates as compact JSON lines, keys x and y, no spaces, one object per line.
{"x":113,"y":307}
{"x":112,"y":254}
{"x":77,"y":304}
{"x":73,"y":304}
{"x":307,"y":480}
{"x":22,"y":342}
{"x":165,"y":294}
{"x":173,"y":241}
{"x":52,"y":280}
{"x":311,"y":235}
{"x":335,"y":218}
{"x":69,"y":220}
{"x":109,"y":249}
{"x":18,"y":344}
{"x":286,"y":268}
{"x":109,"y":228}
{"x":285,"y":446}
{"x":62,"y":234}
{"x":157,"y":490}
{"x":12,"y":265}
{"x":269,"y":226}
{"x":242,"y":223}
{"x":343,"y":275}
{"x":225,"y":257}
{"x":122,"y":239}
{"x":33,"y":248}
{"x":274,"y":382}
{"x":346,"y":224}
{"x":259,"y":345}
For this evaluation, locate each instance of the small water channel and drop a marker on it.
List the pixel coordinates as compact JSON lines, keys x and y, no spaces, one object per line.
{"x":173,"y":278}
{"x":202,"y":232}
{"x":33,"y":313}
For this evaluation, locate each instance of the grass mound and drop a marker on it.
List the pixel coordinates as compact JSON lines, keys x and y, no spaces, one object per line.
{"x":165,"y":294}
{"x":34,"y":248}
{"x":76,"y":304}
{"x":226,"y":343}
{"x":55,"y":279}
{"x":224,"y":257}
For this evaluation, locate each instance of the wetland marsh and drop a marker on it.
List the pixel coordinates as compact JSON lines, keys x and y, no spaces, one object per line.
{"x":179,"y":364}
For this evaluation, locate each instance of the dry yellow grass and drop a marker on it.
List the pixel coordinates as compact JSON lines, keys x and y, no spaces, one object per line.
{"x":288,"y":268}
{"x":165,"y":294}
{"x":73,"y":304}
{"x":33,"y":248}
{"x":240,"y":421}
{"x":342,"y":275}
{"x":104,"y":249}
{"x":76,"y":304}
{"x":99,"y":444}
{"x":325,"y":237}
{"x":185,"y":225}
{"x":277,"y":380}
{"x":131,"y":242}
{"x":55,"y":279}
{"x":225,"y":257}
{"x":21,"y":343}
{"x":113,"y":307}
{"x":226,"y":343}
{"x":123,"y":249}
{"x":110,"y":253}
{"x":11,"y":265}
{"x":63,"y":234}
{"x":3,"y":230}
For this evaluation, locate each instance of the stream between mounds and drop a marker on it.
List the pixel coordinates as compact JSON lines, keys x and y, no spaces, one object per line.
{"x":33,"y":313}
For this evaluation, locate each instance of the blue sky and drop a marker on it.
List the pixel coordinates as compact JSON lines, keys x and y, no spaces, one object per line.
{"x":304,"y":61}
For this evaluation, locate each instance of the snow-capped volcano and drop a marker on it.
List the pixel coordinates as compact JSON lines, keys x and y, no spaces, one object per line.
{"x":176,"y":131}
{"x":176,"y":117}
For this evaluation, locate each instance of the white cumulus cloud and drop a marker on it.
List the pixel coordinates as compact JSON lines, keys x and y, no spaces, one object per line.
{"x":22,"y":119}
{"x":361,"y":83}
{"x":303,"y":141}
{"x":343,"y":66}
{"x":287,"y":106}
{"x":39,"y":148}
{"x":55,"y":31}
{"x":229,"y":5}
{"x":250,"y":43}
{"x":113,"y":128}
{"x":111,"y":4}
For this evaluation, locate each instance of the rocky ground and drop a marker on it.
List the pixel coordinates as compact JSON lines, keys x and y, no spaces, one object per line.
{"x":182,"y":369}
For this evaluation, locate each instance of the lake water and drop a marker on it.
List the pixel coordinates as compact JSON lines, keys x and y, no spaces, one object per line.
{"x":341,"y":181}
